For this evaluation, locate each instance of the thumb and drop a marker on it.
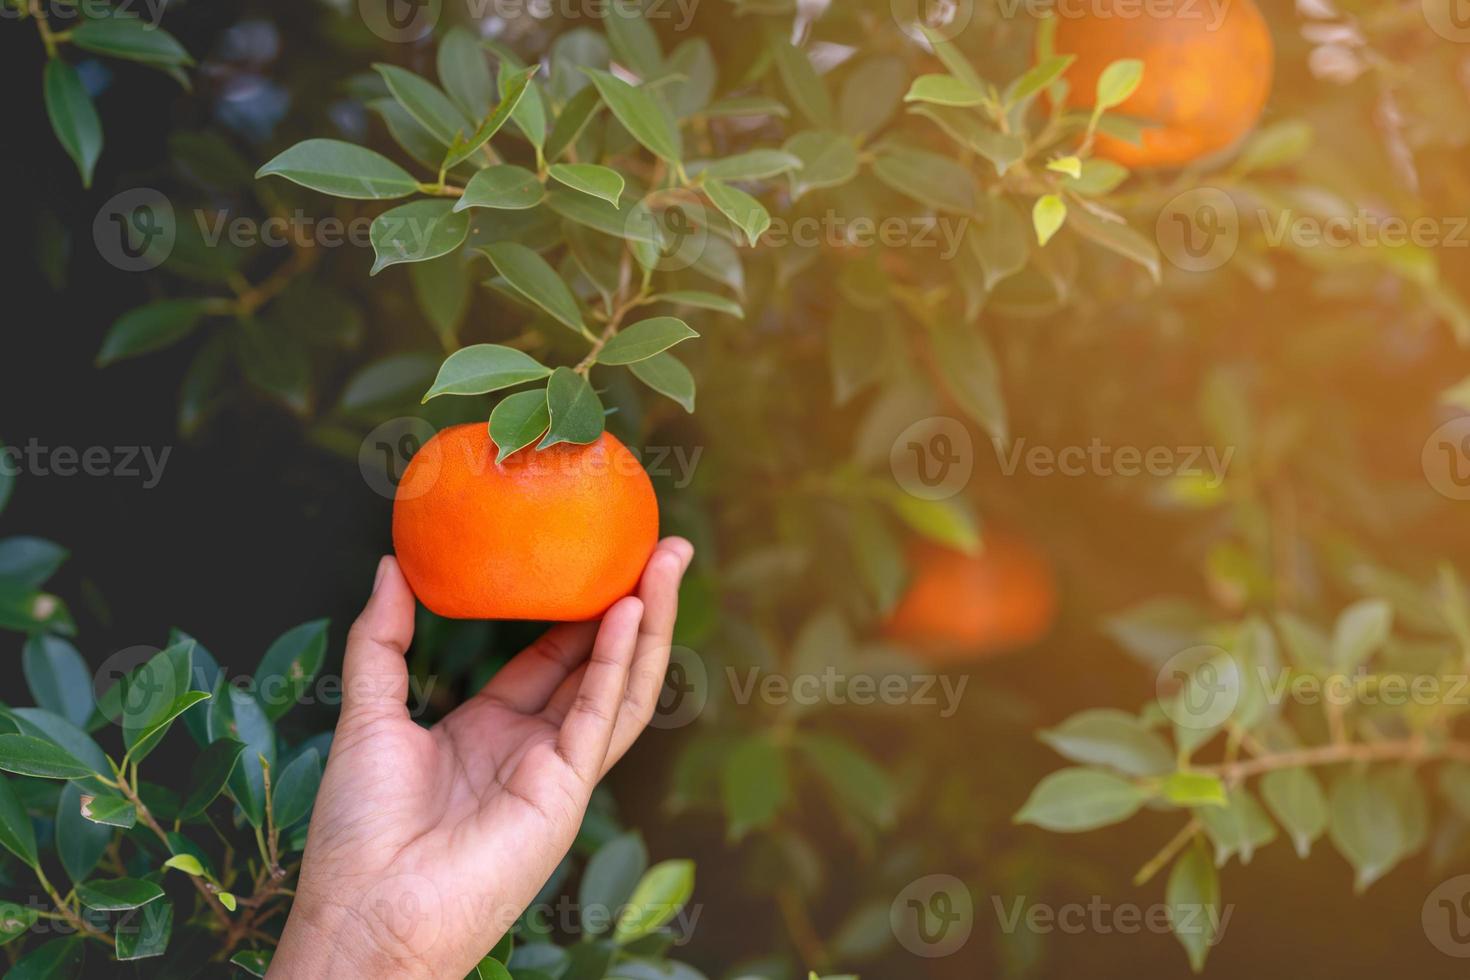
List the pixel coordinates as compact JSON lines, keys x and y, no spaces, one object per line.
{"x":374,"y":673}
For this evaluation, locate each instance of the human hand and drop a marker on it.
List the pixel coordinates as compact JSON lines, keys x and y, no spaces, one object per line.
{"x":426,"y":844}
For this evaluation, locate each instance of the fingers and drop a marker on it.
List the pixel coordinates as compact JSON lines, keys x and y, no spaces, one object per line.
{"x":374,"y":673}
{"x":533,"y":675}
{"x":587,"y":731}
{"x":660,"y":594}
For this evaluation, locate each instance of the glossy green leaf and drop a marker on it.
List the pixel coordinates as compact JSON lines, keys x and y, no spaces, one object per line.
{"x":519,"y":420}
{"x":58,"y":677}
{"x":31,"y":756}
{"x":1118,"y":82}
{"x":1240,"y":827}
{"x":114,"y":811}
{"x":209,"y":773}
{"x":744,"y":211}
{"x":589,"y":178}
{"x":515,"y":88}
{"x":1073,"y":800}
{"x":944,"y":90}
{"x":658,"y":897}
{"x":465,"y":74}
{"x":668,"y":376}
{"x":529,"y":110}
{"x":483,"y":368}
{"x":236,"y":714}
{"x":1108,"y":737}
{"x":131,"y":38}
{"x":533,"y":277}
{"x":807,"y":90}
{"x":426,"y":103}
{"x":572,"y":121}
{"x":702,"y":301}
{"x":80,"y":843}
{"x":1047,"y":217}
{"x":632,"y":38}
{"x":59,"y":958}
{"x":857,"y":784}
{"x":1038,"y":77}
{"x":505,"y":187}
{"x":754,"y":785}
{"x":26,"y":563}
{"x":16,"y":920}
{"x":253,"y":961}
{"x":1295,"y":799}
{"x":416,"y":232}
{"x":155,"y":326}
{"x":144,"y":932}
{"x":342,"y":170}
{"x":73,"y":118}
{"x":927,"y":177}
{"x":295,"y":787}
{"x":827,"y":160}
{"x":113,"y":895}
{"x":1192,"y":897}
{"x":644,"y":339}
{"x":16,"y":833}
{"x":1360,"y":631}
{"x":611,"y":875}
{"x":642,"y":115}
{"x":753,"y":165}
{"x":576,"y":411}
{"x":1192,"y":789}
{"x":289,"y":665}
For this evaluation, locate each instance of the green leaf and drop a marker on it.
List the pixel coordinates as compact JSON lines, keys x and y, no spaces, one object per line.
{"x":58,"y":677}
{"x":187,"y":863}
{"x":342,"y":170}
{"x":465,"y":74}
{"x":944,"y":90}
{"x":234,"y":713}
{"x":659,"y":896}
{"x":668,"y":376}
{"x":807,"y":90}
{"x":827,"y":160}
{"x":227,"y":899}
{"x":1097,"y":177}
{"x":754,"y":785}
{"x":152,"y":327}
{"x":423,"y":100}
{"x":416,"y":232}
{"x":529,"y":110}
{"x":80,"y":843}
{"x":1073,"y":800}
{"x":1040,"y":76}
{"x":1190,"y":789}
{"x":287,"y":669}
{"x":1108,"y":737}
{"x":641,"y":114}
{"x":73,"y":117}
{"x":30,"y":756}
{"x":609,"y":879}
{"x":26,"y":563}
{"x":117,"y":894}
{"x":130,"y":38}
{"x":632,"y":38}
{"x":856,"y":783}
{"x":1002,"y":150}
{"x":51,"y":961}
{"x":575,"y":116}
{"x":1278,"y":145}
{"x":927,"y":177}
{"x":145,"y":932}
{"x":16,"y":834}
{"x":759,"y":164}
{"x":952,"y":58}
{"x":1360,"y":631}
{"x":442,"y":288}
{"x":141,"y":741}
{"x":253,"y":961}
{"x":644,"y":339}
{"x":519,"y":420}
{"x":589,"y":178}
{"x":504,"y":187}
{"x":947,"y":522}
{"x":7,"y":483}
{"x":1047,"y":216}
{"x":209,"y":774}
{"x":54,"y":728}
{"x":1239,"y":827}
{"x":702,"y":301}
{"x":532,"y":277}
{"x":16,"y":920}
{"x":295,"y":788}
{"x":492,"y":969}
{"x":1118,"y":237}
{"x":744,"y":211}
{"x":971,"y":374}
{"x":514,"y":104}
{"x":999,"y":244}
{"x":1366,"y":826}
{"x":871,"y":93}
{"x":1071,"y":166}
{"x":1192,"y":897}
{"x":483,"y":368}
{"x":113,"y":811}
{"x":1117,"y":82}
{"x":576,"y":411}
{"x":1295,"y":799}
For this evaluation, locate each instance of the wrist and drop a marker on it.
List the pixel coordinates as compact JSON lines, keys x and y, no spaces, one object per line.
{"x":325,"y":940}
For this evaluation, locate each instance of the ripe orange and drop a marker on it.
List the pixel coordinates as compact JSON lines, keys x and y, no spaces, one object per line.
{"x":1206,"y":72}
{"x":970,"y":607}
{"x":560,"y":533}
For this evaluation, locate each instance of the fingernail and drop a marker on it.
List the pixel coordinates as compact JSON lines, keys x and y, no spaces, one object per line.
{"x":382,"y":570}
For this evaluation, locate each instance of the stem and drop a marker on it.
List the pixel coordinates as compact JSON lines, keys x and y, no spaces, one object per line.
{"x":49,"y":38}
{"x":1166,"y":854}
{"x":152,"y":824}
{"x":803,"y":934}
{"x":66,"y":912}
{"x":1326,"y":755}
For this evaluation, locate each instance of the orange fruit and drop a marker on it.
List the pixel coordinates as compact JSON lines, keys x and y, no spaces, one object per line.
{"x":1206,"y":72}
{"x":558,"y":534}
{"x":961,"y":607}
